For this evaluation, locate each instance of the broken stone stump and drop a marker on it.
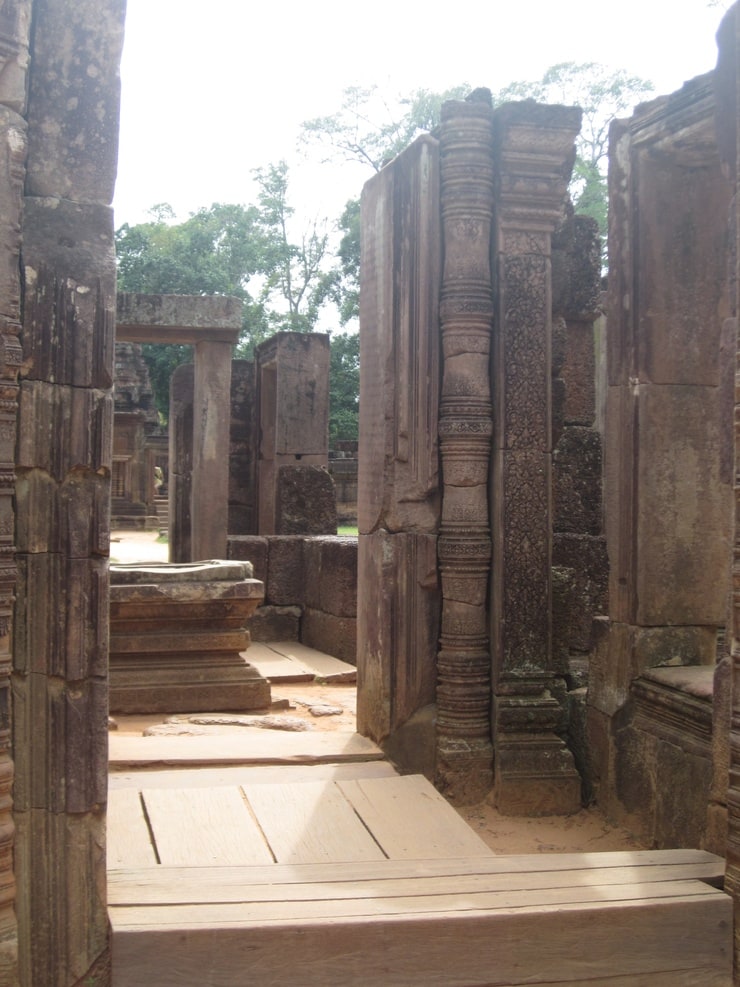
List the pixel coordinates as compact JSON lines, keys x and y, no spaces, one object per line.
{"x":176,"y":636}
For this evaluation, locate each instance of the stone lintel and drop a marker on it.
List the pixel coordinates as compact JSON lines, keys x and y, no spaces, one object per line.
{"x":186,"y":319}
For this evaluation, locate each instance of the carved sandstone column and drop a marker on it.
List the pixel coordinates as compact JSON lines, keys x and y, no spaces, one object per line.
{"x":63,"y":462}
{"x":464,"y":754}
{"x":534,"y":770}
{"x":14,"y":29}
{"x":211,"y":423}
{"x":12,"y":155}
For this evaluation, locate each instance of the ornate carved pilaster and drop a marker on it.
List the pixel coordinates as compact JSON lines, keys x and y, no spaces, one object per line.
{"x":10,"y":359}
{"x":464,"y":753}
{"x":12,"y":171}
{"x":534,"y":153}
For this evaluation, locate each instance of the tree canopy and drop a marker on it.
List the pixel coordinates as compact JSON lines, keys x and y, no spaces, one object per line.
{"x":286,"y":278}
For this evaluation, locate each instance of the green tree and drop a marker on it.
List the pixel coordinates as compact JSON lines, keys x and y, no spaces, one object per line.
{"x":244,"y":251}
{"x":344,"y":386}
{"x":354,"y":134}
{"x":295,"y":284}
{"x":214,"y":252}
{"x":371,"y":129}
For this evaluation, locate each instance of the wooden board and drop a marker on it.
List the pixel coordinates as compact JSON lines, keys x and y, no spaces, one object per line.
{"x":258,"y":774}
{"x":409,"y":818}
{"x":581,"y":936}
{"x":310,"y":823}
{"x":128,"y":840}
{"x":204,"y":825}
{"x":323,"y":666}
{"x":249,"y":746}
{"x":391,"y":879}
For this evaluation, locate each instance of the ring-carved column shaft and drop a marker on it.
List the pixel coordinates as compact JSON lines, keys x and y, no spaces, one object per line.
{"x":464,"y":753}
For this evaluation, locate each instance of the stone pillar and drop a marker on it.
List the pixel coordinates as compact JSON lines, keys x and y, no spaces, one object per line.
{"x":293,"y":430}
{"x":464,"y":753}
{"x":243,"y":450}
{"x":534,"y":770}
{"x":181,"y":463}
{"x":668,"y":456}
{"x":13,"y":147}
{"x":728,"y":136}
{"x":211,"y":425}
{"x":63,"y":493}
{"x":398,"y":479}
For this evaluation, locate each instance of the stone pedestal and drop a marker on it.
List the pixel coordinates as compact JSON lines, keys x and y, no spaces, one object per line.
{"x":177,"y":633}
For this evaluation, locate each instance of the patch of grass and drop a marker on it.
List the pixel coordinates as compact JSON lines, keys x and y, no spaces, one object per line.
{"x":346,"y":530}
{"x":162,"y":539}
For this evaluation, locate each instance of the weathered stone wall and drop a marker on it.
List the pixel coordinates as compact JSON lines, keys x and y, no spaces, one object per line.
{"x":292,"y":370}
{"x":135,"y":418}
{"x":580,"y":567}
{"x":669,"y":462}
{"x":63,"y":463}
{"x":398,"y":482}
{"x":15,"y":23}
{"x":727,"y":718}
{"x":310,"y":590}
{"x":242,"y":450}
{"x":456,"y":268}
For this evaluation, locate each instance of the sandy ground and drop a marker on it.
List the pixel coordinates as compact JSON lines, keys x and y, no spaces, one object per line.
{"x":585,"y":831}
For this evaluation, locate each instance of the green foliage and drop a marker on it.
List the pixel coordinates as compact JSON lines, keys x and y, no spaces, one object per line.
{"x":344,"y":387}
{"x":244,"y":251}
{"x":347,"y":289}
{"x":371,"y":130}
{"x":295,"y":285}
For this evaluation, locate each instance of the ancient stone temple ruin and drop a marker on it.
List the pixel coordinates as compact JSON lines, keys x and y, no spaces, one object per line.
{"x":139,"y":443}
{"x":459,"y":528}
{"x":482,"y":560}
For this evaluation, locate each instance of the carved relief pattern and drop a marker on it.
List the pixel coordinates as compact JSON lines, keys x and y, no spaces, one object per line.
{"x":525,"y":351}
{"x":464,"y":752}
{"x":9,"y":362}
{"x":532,"y":148}
{"x":526,"y":548}
{"x":13,"y":144}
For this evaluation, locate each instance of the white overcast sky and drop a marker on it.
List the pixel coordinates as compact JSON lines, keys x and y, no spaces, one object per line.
{"x":211,"y":90}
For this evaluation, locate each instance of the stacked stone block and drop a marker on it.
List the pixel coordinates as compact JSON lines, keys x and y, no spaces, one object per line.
{"x":63,"y":491}
{"x":668,"y":455}
{"x":398,"y":481}
{"x":310,"y":590}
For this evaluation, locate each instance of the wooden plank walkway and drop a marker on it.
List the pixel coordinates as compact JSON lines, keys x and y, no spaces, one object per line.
{"x":623,"y":918}
{"x":283,"y":859}
{"x":349,"y":820}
